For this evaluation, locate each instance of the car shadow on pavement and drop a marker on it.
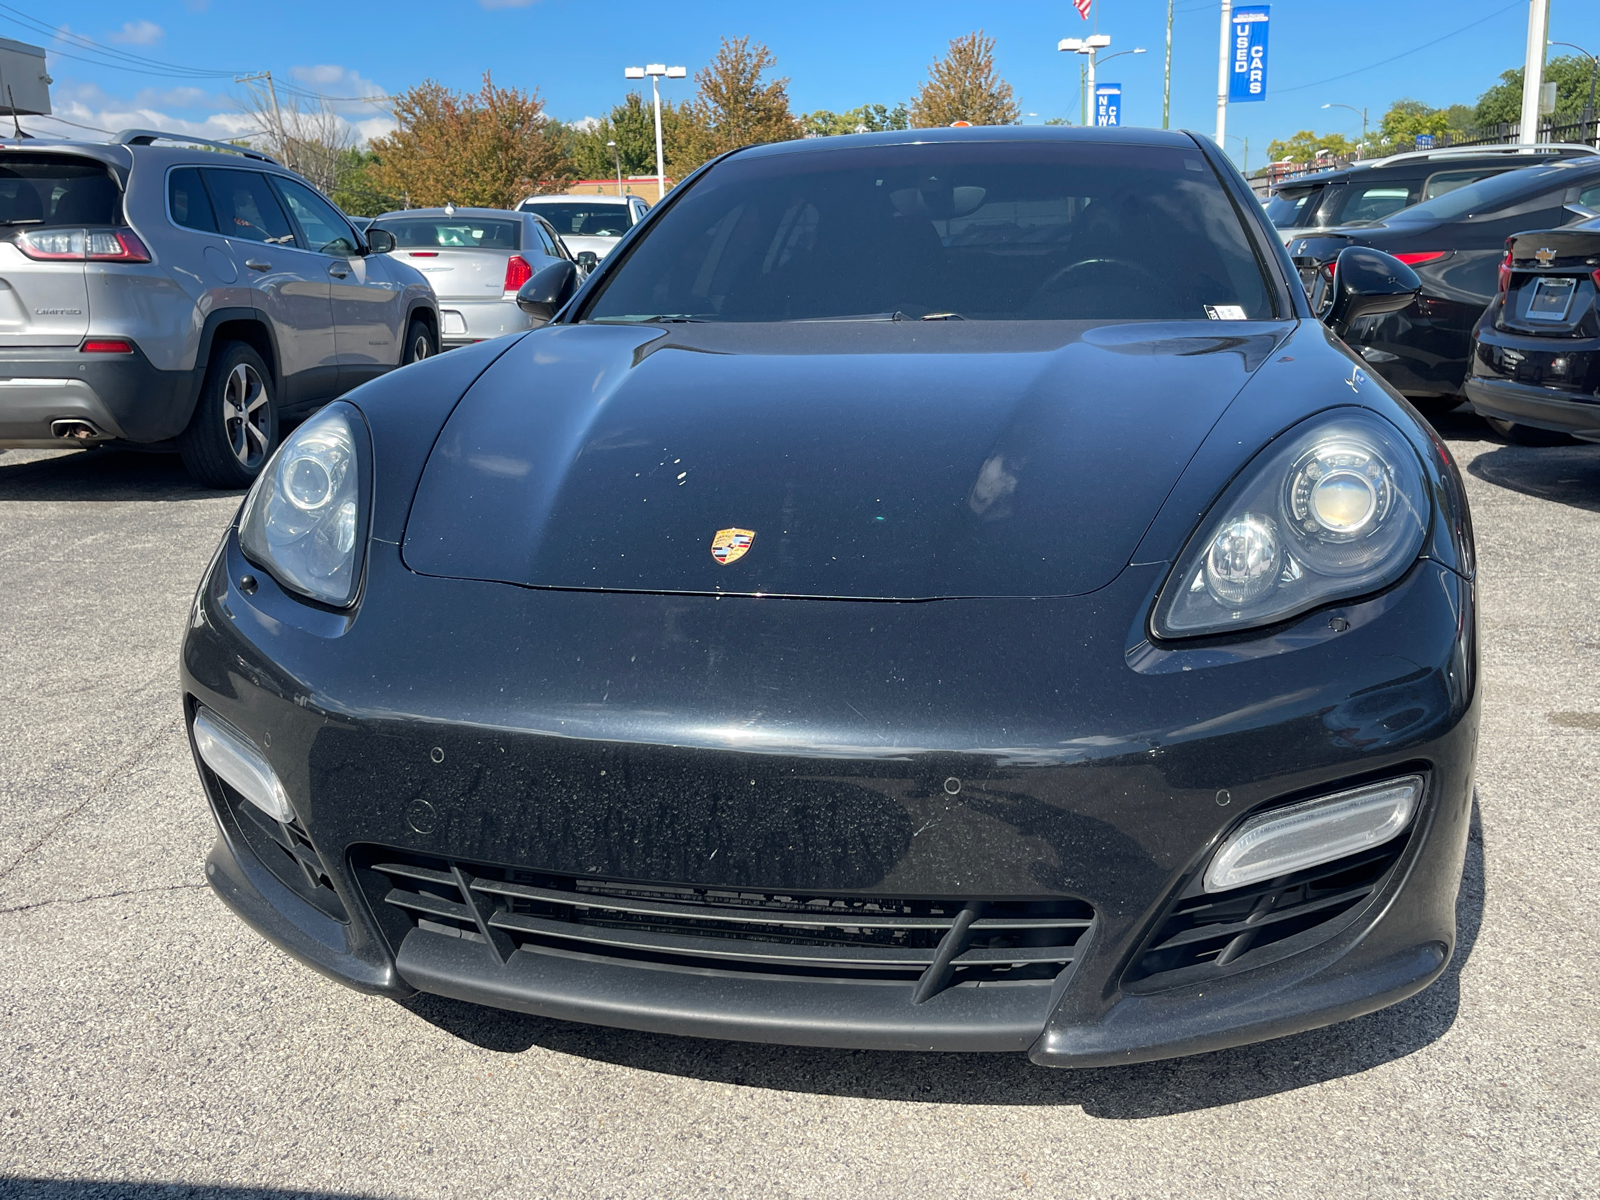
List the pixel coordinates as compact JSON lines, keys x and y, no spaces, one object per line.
{"x":1120,"y":1093}
{"x":1567,"y":475}
{"x":97,"y":475}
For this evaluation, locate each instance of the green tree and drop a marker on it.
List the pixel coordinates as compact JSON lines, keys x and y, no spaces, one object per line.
{"x":489,"y":148}
{"x":357,"y":192}
{"x":632,"y":125}
{"x":964,"y":86}
{"x":734,"y":105}
{"x":1503,"y":101}
{"x":1408,"y":119}
{"x":868,"y":118}
{"x":1303,"y":147}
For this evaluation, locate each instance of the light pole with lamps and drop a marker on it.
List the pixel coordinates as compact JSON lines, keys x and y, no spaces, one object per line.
{"x":656,"y":71}
{"x":1594,"y":64}
{"x":616,"y":154}
{"x":1088,"y":46}
{"x":1102,"y":62}
{"x":1362,"y":113}
{"x":1245,"y":168}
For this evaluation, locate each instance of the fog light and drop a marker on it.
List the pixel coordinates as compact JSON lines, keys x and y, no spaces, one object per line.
{"x":232,"y":756}
{"x":1291,"y":839}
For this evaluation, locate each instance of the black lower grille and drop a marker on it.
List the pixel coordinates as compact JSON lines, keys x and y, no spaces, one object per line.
{"x":285,"y":850}
{"x":926,"y":944}
{"x":1211,"y":934}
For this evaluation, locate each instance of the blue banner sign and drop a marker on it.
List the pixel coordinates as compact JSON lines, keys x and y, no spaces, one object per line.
{"x":1249,"y":78}
{"x":1108,"y":104}
{"x":1424,"y":141}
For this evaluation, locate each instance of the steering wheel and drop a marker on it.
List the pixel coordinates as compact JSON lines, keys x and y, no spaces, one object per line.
{"x":1100,"y":261}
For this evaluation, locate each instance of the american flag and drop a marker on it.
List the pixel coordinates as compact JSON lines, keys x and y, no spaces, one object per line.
{"x":1083,"y":7}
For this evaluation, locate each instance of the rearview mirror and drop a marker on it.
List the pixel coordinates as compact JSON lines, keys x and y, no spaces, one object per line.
{"x":380,"y":241}
{"x":1368,"y":283}
{"x":548,"y":290}
{"x":588,"y":260}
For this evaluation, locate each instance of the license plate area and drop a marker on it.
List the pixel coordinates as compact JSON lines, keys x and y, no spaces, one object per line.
{"x":1551,"y":298}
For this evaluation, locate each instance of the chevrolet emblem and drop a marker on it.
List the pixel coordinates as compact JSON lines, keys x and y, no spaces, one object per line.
{"x":1545,"y":255}
{"x":730,"y":545}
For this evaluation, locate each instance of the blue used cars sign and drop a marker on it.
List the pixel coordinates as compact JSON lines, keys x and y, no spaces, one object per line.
{"x":1248,"y":80}
{"x":1108,"y":104}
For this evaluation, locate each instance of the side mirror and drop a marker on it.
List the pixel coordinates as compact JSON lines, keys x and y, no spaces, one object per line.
{"x":380,"y":241}
{"x":588,"y":260}
{"x":548,"y":290}
{"x":1368,"y":283}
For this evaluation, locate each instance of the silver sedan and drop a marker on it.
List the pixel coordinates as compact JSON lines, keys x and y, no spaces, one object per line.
{"x":476,"y":259}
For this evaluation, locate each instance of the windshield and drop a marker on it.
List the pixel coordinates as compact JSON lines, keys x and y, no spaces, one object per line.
{"x":1287,"y":204}
{"x":1486,"y":195}
{"x":1039,"y":230}
{"x":455,"y":233}
{"x":585,"y":220}
{"x":44,"y":190}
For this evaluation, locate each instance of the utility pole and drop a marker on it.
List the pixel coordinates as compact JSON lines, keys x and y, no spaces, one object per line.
{"x":1166,"y":79}
{"x":1224,"y":46}
{"x":277,"y":116}
{"x":1533,"y":68}
{"x":656,"y":71}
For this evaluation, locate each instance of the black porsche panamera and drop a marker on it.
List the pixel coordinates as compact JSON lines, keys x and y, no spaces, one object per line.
{"x":923,"y":590}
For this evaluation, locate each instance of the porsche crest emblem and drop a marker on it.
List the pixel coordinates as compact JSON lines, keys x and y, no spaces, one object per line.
{"x":731,"y":544}
{"x":1545,"y":255}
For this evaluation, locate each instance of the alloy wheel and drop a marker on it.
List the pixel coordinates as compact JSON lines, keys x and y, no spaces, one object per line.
{"x":246,"y":416}
{"x":420,"y":347}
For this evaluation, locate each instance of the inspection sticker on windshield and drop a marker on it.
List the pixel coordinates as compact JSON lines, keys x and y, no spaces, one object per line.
{"x":1550,"y":300}
{"x":1225,"y":312}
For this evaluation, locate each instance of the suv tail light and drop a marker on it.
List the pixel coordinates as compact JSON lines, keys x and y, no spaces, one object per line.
{"x":82,"y":245}
{"x":1502,"y":281}
{"x":518,"y":272}
{"x":106,"y":346}
{"x":1421,"y":256}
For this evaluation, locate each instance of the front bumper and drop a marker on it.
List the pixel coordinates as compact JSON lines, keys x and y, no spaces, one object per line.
{"x":462,"y":322}
{"x":121,"y":395}
{"x":759,"y":745}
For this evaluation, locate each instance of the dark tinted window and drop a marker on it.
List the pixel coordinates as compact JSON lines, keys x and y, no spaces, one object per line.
{"x":57,"y":189}
{"x":453,"y":233}
{"x":585,"y":220}
{"x":1370,"y":201}
{"x":988,"y":230}
{"x":1287,"y":203}
{"x":246,"y":207}
{"x":1496,"y":193}
{"x":186,"y":197}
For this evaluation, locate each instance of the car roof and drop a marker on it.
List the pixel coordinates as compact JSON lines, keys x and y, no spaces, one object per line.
{"x":452,"y":212}
{"x":1127,"y":135}
{"x":1415,"y":162}
{"x":598,"y":198}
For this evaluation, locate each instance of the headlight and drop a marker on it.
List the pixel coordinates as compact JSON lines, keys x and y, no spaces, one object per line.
{"x":305,"y":519}
{"x":1332,"y":510}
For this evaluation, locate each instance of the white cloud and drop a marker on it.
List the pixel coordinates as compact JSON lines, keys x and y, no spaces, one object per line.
{"x":139,"y":33}
{"x":585,"y":124}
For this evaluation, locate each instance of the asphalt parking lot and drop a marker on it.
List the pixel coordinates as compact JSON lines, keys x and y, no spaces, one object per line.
{"x":151,"y":1039}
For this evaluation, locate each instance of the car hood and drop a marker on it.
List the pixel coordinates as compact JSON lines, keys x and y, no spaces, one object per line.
{"x":871,"y":459}
{"x":600,"y":245}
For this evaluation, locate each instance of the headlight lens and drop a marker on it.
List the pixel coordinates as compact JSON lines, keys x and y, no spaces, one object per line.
{"x":1329,"y":511}
{"x":304,"y":518}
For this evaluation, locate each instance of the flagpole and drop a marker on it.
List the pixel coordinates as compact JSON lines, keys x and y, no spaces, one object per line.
{"x":1222,"y":73}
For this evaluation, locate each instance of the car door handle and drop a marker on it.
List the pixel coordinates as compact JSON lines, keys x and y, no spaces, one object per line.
{"x":256,"y":264}
{"x":339,"y":272}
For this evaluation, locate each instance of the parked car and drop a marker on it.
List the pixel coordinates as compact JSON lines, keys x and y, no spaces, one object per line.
{"x":1535,"y":372}
{"x":160,"y":291}
{"x":1372,"y":190}
{"x":940,"y":590}
{"x":593,"y":223}
{"x":476,"y":259}
{"x":1456,"y":244}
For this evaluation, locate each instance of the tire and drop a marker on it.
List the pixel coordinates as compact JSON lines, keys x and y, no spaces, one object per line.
{"x":1527,"y":435}
{"x":234,"y":429}
{"x":420,"y":342}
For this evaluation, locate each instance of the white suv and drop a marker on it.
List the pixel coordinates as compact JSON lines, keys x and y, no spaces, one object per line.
{"x":156,"y":292}
{"x":593,"y":223}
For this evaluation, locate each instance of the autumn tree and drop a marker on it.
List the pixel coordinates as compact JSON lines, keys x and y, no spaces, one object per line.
{"x":733,"y":106}
{"x":489,"y":148}
{"x":963,"y":86}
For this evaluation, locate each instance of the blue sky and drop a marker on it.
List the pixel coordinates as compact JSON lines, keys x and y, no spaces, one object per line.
{"x":836,"y":55}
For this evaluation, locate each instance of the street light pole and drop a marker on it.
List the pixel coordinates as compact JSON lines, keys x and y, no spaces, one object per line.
{"x":1223,"y":47}
{"x":656,"y":71}
{"x":1088,"y":47}
{"x":1363,"y":114}
{"x":616,"y":154}
{"x":1166,"y":79}
{"x":1533,"y":68}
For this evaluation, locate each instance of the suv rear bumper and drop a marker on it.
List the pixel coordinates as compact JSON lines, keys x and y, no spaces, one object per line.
{"x":121,"y":395}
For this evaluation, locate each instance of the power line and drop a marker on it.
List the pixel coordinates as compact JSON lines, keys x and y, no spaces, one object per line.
{"x":78,"y":41}
{"x":1384,"y":62}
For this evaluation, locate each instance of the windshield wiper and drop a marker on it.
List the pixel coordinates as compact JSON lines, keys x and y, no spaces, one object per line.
{"x":25,"y":221}
{"x":652,"y":319}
